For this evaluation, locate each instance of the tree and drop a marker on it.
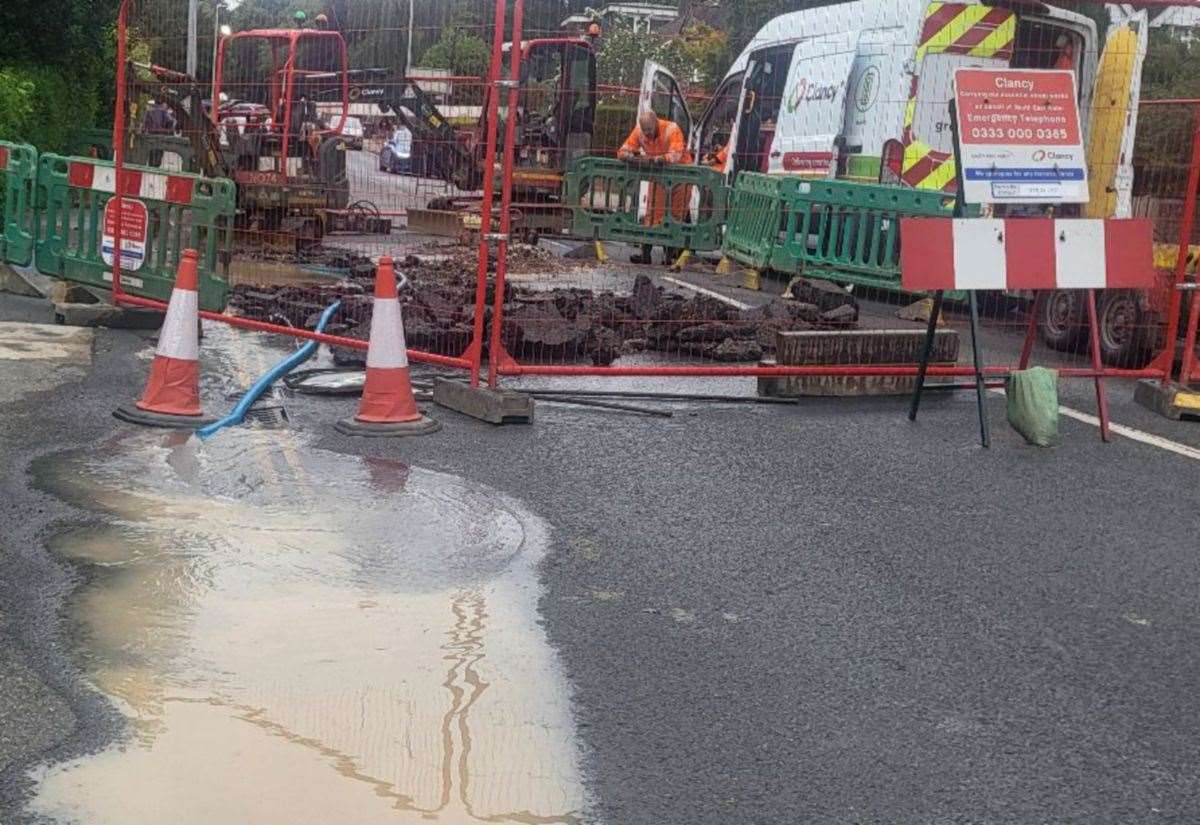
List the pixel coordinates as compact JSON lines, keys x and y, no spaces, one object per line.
{"x":54,"y":78}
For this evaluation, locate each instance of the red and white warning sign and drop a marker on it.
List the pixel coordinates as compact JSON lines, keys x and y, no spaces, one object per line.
{"x":1020,"y":137}
{"x":135,"y":224}
{"x":1026,"y":253}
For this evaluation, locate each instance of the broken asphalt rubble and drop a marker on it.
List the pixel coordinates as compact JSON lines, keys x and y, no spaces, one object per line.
{"x":546,"y":325}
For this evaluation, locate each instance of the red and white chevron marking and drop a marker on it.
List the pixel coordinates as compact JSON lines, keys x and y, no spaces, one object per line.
{"x":147,"y":185}
{"x":1025,"y":253}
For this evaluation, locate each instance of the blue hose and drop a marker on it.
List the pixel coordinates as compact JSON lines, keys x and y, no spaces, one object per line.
{"x":263,"y":384}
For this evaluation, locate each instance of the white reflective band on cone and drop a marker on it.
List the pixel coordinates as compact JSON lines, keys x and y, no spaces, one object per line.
{"x":388,"y":350}
{"x":179,"y":338}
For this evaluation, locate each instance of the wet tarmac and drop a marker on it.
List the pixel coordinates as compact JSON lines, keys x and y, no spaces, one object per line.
{"x":303,"y":637}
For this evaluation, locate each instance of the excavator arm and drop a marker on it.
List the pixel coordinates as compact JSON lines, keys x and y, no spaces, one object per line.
{"x":182,"y":94}
{"x":453,"y":162}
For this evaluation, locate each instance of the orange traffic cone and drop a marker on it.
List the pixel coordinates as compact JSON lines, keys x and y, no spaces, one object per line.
{"x":172,"y":396}
{"x":388,"y":407}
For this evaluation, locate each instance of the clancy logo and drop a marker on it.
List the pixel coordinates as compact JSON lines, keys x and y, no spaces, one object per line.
{"x":807,"y":90}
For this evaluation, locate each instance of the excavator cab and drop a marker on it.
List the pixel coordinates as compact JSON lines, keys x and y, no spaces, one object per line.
{"x":556,"y":109}
{"x":290,"y":160}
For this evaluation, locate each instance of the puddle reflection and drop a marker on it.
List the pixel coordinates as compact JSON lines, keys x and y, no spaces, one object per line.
{"x":303,"y":637}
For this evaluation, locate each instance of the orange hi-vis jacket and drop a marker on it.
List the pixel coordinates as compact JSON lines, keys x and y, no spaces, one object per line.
{"x":670,"y":145}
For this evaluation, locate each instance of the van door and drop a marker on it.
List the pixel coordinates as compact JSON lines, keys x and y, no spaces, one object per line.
{"x":711,"y":143}
{"x":953,"y":36}
{"x":1113,"y":121}
{"x":761,"y":102}
{"x":813,"y":110}
{"x":661,"y":93}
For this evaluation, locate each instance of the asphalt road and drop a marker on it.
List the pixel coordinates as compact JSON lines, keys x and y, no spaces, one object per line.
{"x":390,"y":193}
{"x":819,"y":613}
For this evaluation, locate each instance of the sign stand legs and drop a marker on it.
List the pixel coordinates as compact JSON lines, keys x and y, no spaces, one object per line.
{"x":931,"y":330}
{"x":1097,"y":364}
{"x":985,"y":437}
{"x":926,"y":354}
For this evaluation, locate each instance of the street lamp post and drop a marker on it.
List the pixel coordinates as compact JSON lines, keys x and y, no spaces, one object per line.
{"x":218,"y":32}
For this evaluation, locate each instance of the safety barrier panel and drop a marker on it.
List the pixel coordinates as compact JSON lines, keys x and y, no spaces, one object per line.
{"x":18,"y":174}
{"x":850,"y":232}
{"x":644,"y":204}
{"x":836,"y":230}
{"x":755,"y":216}
{"x":162,"y":214}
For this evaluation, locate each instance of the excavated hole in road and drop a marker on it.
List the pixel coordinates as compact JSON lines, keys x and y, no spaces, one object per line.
{"x":297,"y":636}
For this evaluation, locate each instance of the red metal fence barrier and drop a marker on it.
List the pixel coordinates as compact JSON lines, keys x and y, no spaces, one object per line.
{"x":319,"y":203}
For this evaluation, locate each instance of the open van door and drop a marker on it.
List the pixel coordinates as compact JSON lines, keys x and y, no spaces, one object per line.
{"x":1112,"y":125}
{"x":813,"y":110}
{"x":662,"y":93}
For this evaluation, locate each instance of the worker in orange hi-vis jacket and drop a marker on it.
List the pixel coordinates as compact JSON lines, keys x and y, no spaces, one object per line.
{"x":658,"y":140}
{"x":719,"y":159}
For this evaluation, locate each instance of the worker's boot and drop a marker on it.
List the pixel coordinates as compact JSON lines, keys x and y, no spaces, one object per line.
{"x":644,"y":257}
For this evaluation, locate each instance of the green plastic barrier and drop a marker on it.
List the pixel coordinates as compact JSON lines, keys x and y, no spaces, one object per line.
{"x":755,"y":217}
{"x":850,"y":232}
{"x":18,"y":221}
{"x":836,"y":230}
{"x":166,"y":212}
{"x":604,"y":196}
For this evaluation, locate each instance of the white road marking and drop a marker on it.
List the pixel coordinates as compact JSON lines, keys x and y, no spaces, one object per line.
{"x":710,"y":293}
{"x":1131,"y":433}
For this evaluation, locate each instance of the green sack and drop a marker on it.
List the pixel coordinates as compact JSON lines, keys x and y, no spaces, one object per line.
{"x":1033,"y":405}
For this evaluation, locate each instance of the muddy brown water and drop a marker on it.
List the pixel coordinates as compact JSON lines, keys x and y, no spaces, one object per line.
{"x":298,"y":637}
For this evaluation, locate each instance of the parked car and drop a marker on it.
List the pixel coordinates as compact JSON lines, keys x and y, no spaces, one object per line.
{"x":353,"y":131}
{"x":396,"y":155}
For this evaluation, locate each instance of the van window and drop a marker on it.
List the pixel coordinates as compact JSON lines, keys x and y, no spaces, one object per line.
{"x":667,"y":101}
{"x":1047,"y":46}
{"x":765,"y":82}
{"x":717,"y":127}
{"x":931,"y":116}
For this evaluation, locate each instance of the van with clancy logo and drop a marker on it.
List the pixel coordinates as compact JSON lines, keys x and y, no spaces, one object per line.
{"x":860,"y":91}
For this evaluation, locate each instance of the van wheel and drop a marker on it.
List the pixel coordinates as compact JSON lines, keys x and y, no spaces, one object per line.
{"x":1062,"y":323}
{"x":1123,"y":333}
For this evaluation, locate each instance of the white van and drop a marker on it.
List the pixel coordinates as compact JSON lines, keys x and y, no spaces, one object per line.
{"x":860,"y":90}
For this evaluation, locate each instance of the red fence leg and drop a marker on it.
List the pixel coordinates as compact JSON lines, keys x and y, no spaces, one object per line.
{"x":1031,"y":329}
{"x":1189,"y":346}
{"x":1186,"y":225}
{"x":510,"y":138}
{"x":118,"y":290}
{"x":475,"y":351}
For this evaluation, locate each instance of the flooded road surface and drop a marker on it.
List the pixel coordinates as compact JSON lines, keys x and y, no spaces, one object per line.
{"x":302,"y":637}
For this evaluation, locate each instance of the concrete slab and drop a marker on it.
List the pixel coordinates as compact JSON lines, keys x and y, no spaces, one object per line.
{"x":1171,"y":401}
{"x":107,"y":315}
{"x":493,"y":406}
{"x":25,"y":281}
